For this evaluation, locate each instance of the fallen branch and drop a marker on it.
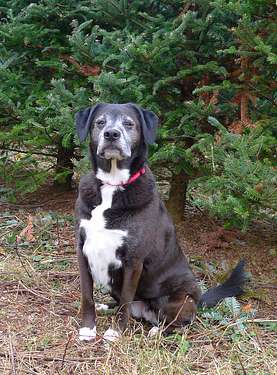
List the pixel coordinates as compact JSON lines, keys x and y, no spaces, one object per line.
{"x":34,"y":293}
{"x":28,"y":152}
{"x":241,"y":364}
{"x":34,"y":205}
{"x":267,"y":286}
{"x":261,"y":321}
{"x":21,"y":260}
{"x":12,"y":355}
{"x":52,"y":359}
{"x":65,"y":349}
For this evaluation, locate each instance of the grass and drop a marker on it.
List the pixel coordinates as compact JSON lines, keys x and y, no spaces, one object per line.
{"x":39,"y":318}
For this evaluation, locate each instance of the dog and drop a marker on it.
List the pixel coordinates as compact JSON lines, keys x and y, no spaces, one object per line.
{"x":125,"y":238}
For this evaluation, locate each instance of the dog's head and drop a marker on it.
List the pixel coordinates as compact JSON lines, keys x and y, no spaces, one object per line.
{"x":116,"y":130}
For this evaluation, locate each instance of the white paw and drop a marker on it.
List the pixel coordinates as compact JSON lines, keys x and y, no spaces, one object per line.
{"x":87,"y":334}
{"x":154,"y":331}
{"x":101,"y":307}
{"x":111,"y":335}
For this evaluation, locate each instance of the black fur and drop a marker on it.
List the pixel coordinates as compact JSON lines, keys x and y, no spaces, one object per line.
{"x":230,"y":288}
{"x":83,"y":120}
{"x":166,"y":279}
{"x":149,"y":123}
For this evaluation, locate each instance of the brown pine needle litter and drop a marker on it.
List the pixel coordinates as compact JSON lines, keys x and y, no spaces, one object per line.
{"x":39,"y":317}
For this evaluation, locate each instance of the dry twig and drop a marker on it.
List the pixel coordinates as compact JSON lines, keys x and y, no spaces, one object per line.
{"x":12,"y":355}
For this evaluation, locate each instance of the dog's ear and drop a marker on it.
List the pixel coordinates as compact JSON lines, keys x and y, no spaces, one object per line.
{"x":149,"y":123}
{"x":83,"y":120}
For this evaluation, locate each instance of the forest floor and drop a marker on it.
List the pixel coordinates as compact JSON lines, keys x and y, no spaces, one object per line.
{"x":39,"y":300}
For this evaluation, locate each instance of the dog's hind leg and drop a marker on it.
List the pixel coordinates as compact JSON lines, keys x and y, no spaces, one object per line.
{"x":141,"y":310}
{"x":178,"y":311}
{"x":131,"y":276}
{"x":105,"y":306}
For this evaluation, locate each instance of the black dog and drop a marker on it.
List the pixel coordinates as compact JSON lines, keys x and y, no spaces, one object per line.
{"x":125,"y":238}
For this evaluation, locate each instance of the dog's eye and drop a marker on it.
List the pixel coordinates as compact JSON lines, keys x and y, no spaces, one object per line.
{"x":100,"y":123}
{"x":128,"y":124}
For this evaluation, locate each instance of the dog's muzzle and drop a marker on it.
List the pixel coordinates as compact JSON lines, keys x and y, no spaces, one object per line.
{"x":113,"y":144}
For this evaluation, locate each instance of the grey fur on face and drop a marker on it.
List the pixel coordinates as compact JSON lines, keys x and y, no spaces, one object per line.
{"x":115,"y":135}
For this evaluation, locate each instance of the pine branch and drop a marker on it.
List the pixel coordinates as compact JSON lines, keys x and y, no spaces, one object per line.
{"x":86,"y":70}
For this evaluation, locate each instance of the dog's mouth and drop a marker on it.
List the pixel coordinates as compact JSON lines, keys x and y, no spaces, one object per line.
{"x":112,"y":152}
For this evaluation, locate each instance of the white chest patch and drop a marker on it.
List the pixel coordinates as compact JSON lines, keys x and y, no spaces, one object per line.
{"x":101,"y":244}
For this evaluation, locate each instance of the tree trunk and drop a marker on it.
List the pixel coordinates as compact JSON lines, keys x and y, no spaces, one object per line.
{"x":177,"y":196}
{"x":64,"y":167}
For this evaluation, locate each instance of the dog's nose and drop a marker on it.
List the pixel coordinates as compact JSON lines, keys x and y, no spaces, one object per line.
{"x":112,"y":135}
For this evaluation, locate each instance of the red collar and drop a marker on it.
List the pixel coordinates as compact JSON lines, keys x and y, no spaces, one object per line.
{"x":132,"y":179}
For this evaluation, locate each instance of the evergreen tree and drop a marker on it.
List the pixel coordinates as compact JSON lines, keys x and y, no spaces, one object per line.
{"x":40,"y":91}
{"x":207,"y":68}
{"x":188,"y":61}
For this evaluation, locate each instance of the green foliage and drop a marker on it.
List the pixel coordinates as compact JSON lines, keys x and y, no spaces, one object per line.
{"x":240,"y":185}
{"x":227,"y":312}
{"x":39,"y":95}
{"x":189,"y":66}
{"x":196,"y":64}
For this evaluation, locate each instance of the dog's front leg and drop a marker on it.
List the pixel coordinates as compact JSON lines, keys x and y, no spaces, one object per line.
{"x":131,"y":276}
{"x":87,"y":331}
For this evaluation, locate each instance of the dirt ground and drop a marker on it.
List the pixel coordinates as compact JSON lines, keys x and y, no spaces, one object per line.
{"x":39,"y":301}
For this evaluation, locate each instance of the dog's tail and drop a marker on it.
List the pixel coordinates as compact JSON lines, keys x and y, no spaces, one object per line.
{"x":232,"y":287}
